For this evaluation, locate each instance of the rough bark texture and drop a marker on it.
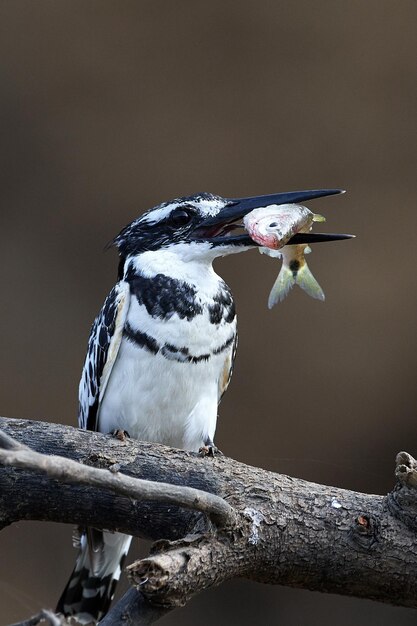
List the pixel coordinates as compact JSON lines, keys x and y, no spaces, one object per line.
{"x":289,"y":531}
{"x":17,"y":455}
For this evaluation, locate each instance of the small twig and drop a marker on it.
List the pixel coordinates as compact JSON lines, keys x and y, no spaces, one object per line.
{"x":43,"y":616}
{"x":67,"y":471}
{"x":8,"y":443}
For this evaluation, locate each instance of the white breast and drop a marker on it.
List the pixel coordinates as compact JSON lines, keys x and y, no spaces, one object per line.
{"x":155,"y":399}
{"x":164,"y":400}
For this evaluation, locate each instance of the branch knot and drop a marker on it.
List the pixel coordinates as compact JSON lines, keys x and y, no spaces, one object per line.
{"x":402,"y":501}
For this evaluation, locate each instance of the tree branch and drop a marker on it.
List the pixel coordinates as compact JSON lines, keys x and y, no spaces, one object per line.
{"x":134,"y":610}
{"x":14,"y":454}
{"x":285,"y":531}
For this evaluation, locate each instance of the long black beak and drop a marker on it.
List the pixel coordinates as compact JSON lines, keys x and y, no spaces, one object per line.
{"x":316,"y":238}
{"x":237,"y":208}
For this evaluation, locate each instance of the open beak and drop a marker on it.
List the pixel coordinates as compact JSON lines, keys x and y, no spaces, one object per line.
{"x":217,"y":229}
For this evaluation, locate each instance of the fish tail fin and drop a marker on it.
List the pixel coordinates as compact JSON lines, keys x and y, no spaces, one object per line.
{"x":284,"y":282}
{"x":306,"y":281}
{"x":287,"y":279}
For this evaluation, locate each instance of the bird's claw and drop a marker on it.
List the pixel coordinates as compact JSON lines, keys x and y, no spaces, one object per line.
{"x":209,"y":449}
{"x":121,"y":435}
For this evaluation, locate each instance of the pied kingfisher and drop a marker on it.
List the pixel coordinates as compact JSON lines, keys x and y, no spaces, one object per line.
{"x":160,"y":353}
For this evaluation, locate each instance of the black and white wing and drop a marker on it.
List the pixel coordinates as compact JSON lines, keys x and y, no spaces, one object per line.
{"x":91,"y":586}
{"x":103,"y":346}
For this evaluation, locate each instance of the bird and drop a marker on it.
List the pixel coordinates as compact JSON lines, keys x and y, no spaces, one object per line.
{"x":161,"y":351}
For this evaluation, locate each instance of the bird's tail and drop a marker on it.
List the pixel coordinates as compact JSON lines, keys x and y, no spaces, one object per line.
{"x":287,"y":279}
{"x":92,"y":584}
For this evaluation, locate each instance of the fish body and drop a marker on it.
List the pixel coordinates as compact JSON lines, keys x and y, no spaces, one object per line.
{"x":274,"y":225}
{"x":272,"y":228}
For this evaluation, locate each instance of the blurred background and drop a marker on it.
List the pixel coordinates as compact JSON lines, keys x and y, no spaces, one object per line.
{"x":108,"y":108}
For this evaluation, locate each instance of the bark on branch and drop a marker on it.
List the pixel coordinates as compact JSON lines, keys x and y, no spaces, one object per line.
{"x":284,"y":530}
{"x":17,"y":455}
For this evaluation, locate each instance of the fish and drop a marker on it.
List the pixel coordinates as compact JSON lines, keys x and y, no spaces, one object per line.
{"x":272,"y":227}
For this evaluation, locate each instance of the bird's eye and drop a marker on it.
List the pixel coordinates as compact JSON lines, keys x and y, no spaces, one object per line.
{"x":180,"y":217}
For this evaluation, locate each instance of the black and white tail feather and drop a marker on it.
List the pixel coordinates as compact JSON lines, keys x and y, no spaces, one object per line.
{"x":92,"y":584}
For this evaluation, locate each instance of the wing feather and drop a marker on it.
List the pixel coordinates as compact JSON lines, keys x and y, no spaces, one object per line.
{"x":103,"y":347}
{"x":227,"y":371}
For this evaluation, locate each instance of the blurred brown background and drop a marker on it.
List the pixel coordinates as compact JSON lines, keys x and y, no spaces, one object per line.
{"x":108,"y":108}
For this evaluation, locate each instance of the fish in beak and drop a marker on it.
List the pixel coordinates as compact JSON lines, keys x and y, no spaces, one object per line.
{"x":217,"y":229}
{"x":280,"y":231}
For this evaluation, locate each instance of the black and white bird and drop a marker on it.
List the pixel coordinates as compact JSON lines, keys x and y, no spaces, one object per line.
{"x":160,"y":353}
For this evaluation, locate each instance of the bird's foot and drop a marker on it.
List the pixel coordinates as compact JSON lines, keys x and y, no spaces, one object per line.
{"x":121,"y":435}
{"x":209,"y":449}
